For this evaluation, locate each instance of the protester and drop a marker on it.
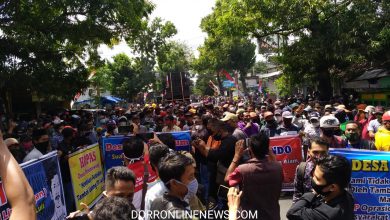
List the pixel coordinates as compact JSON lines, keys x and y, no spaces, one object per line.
{"x":257,"y":175}
{"x":15,"y":185}
{"x":120,"y":182}
{"x":136,"y":158}
{"x":177,"y":172}
{"x":170,"y":125}
{"x":248,"y":126}
{"x":287,"y":127}
{"x":354,"y":138}
{"x":382,"y":137}
{"x":329,"y":200}
{"x":271,"y":126}
{"x":318,"y":148}
{"x":14,"y":147}
{"x":41,"y":145}
{"x":231,"y":121}
{"x":114,"y":208}
{"x":374,"y":125}
{"x":329,"y":126}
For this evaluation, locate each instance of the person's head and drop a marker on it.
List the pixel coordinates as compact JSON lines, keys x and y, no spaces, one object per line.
{"x":379,"y":110}
{"x":115,"y":208}
{"x":120,"y":181}
{"x":314,"y":119}
{"x":329,"y":125}
{"x":133,"y":149}
{"x":352,"y":131}
{"x":287,"y":118}
{"x":221,"y":130}
{"x":136,"y":119}
{"x":331,"y":175}
{"x":269,"y":117}
{"x":259,"y":145}
{"x":11,"y":143}
{"x":41,"y":140}
{"x":169,"y":121}
{"x":56,"y":191}
{"x":156,"y":152}
{"x":386,"y":120}
{"x":318,"y":148}
{"x":230,"y":119}
{"x":177,"y":172}
{"x":211,"y":125}
{"x":168,"y":139}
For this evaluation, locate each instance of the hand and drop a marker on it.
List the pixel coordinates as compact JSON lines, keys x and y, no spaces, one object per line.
{"x":155,"y":139}
{"x":76,"y":213}
{"x":239,"y":149}
{"x":234,"y":198}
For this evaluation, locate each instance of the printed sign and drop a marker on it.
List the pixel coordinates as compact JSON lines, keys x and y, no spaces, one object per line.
{"x":370,"y":182}
{"x":287,"y":150}
{"x":113,"y":149}
{"x":87,"y":175}
{"x":44,"y":177}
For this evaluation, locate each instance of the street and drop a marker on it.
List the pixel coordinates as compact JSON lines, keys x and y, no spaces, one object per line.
{"x":285,"y":203}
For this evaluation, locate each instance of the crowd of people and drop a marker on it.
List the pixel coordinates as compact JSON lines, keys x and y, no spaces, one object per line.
{"x":230,"y":148}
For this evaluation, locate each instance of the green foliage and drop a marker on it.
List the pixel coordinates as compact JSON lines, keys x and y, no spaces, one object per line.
{"x":174,"y":57}
{"x":43,"y":43}
{"x":329,"y":37}
{"x":202,"y":85}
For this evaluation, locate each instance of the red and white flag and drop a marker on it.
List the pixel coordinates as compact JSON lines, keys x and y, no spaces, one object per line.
{"x":227,"y":75}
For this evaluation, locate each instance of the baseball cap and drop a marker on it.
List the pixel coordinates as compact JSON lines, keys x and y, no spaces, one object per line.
{"x":314,"y":115}
{"x":240,"y":111}
{"x":287,"y":114}
{"x":369,"y":108}
{"x":328,"y":107}
{"x":229,"y":116}
{"x":278,"y":112}
{"x":329,"y":121}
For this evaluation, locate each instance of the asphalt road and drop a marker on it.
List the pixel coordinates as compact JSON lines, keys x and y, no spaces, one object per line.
{"x":285,"y":203}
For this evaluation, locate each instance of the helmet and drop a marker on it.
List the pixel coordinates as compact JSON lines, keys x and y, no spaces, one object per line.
{"x":386,"y":116}
{"x":329,"y":121}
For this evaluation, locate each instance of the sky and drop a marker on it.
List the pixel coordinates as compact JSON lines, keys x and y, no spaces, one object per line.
{"x":186,"y":15}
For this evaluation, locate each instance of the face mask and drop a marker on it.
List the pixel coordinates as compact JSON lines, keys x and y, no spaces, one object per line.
{"x":279,"y":119}
{"x":319,"y":188}
{"x":353,"y":137}
{"x":217,"y":137}
{"x":192,"y":190}
{"x":316,"y":124}
{"x":42,"y":147}
{"x":328,"y":133}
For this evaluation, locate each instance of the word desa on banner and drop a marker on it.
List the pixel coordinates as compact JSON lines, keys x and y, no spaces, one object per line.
{"x":288,"y":151}
{"x":370,"y":182}
{"x":87,"y":175}
{"x":44,"y":177}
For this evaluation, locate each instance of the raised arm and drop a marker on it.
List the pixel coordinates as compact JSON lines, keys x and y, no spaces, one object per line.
{"x":19,"y":192}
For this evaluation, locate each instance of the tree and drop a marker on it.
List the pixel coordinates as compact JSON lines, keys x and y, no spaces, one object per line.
{"x":328,"y":36}
{"x":46,"y":45}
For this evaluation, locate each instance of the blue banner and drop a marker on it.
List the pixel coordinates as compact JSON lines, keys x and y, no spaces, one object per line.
{"x":370,"y":182}
{"x":45,"y":179}
{"x":113,"y":149}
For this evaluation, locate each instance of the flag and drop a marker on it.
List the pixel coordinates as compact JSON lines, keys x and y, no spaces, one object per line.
{"x":227,"y":75}
{"x":77,"y":96}
{"x":260,"y":86}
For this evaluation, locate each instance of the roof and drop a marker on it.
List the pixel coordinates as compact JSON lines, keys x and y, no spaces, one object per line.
{"x":268,"y":75}
{"x":373,"y":74}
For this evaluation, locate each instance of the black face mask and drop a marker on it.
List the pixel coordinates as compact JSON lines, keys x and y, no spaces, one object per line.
{"x":328,"y":133}
{"x":42,"y":147}
{"x":319,"y":188}
{"x":217,"y":137}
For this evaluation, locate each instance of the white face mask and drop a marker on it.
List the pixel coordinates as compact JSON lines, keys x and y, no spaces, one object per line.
{"x":198,"y":127}
{"x":192,"y":190}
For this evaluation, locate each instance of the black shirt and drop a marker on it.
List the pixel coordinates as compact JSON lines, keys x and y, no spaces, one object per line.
{"x":169,"y":204}
{"x":225,"y":152}
{"x":311,"y":206}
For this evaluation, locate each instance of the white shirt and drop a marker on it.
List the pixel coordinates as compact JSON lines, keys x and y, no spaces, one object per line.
{"x":34,"y":154}
{"x":373,"y":125}
{"x":156,"y":189}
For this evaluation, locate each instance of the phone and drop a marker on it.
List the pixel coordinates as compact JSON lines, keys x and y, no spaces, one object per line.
{"x":222,"y":191}
{"x":246,"y":143}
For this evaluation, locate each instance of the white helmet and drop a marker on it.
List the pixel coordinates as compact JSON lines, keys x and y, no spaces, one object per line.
{"x":329,"y":121}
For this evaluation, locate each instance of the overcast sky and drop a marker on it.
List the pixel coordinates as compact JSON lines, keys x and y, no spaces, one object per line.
{"x":186,"y":16}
